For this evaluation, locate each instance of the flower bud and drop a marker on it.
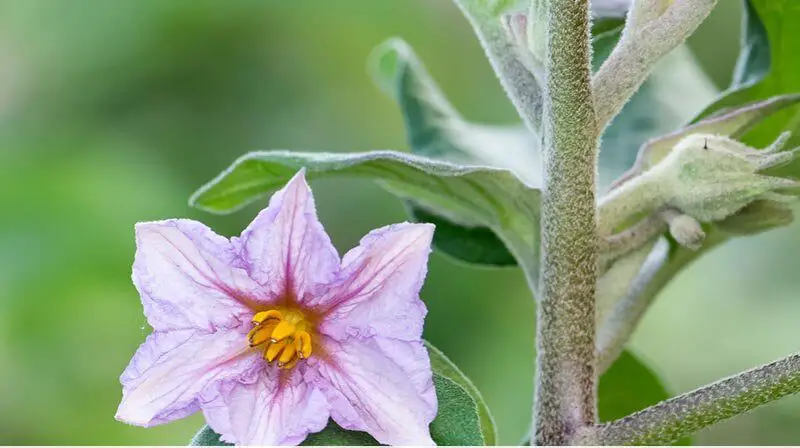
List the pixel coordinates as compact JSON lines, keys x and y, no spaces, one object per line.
{"x":710,"y":177}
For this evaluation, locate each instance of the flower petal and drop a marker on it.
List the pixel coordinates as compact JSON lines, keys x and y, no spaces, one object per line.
{"x":286,"y":247}
{"x":379,"y":291}
{"x":187,"y":276}
{"x":169,"y":371}
{"x":275,"y":407}
{"x":368,"y":391}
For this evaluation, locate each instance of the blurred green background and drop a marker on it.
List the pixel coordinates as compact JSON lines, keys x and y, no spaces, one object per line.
{"x":113,"y":112}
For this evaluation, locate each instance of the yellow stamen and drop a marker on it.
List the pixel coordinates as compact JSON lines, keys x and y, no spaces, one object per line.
{"x":269,"y":314}
{"x":302,"y":343}
{"x":291,"y":364}
{"x":286,"y":355}
{"x":283,"y":330}
{"x":285,"y":334}
{"x":260,"y":335}
{"x":274,"y":349}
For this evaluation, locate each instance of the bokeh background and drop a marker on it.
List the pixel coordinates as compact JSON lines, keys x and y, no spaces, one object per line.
{"x":113,"y":112}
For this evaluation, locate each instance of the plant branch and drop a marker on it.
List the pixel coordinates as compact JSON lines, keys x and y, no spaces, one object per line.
{"x":673,"y":419}
{"x":519,"y":83}
{"x":653,"y":29}
{"x":565,"y":399}
{"x":618,"y":245}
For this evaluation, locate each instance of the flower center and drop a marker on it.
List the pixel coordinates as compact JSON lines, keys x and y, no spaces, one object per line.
{"x":284,"y":334}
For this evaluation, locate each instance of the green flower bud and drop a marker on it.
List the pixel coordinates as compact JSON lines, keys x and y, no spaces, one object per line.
{"x":710,"y":177}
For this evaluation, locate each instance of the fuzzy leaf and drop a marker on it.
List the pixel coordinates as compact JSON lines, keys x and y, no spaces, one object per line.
{"x":436,"y":130}
{"x":469,"y":196}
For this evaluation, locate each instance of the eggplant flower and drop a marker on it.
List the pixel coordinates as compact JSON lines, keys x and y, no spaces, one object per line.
{"x":271,"y":333}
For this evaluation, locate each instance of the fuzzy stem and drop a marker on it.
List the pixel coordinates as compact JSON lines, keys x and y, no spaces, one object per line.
{"x":673,"y":419}
{"x":565,"y":400}
{"x":618,"y":245}
{"x":519,"y":83}
{"x":628,"y":203}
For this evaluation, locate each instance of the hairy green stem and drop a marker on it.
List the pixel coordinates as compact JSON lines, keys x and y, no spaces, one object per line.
{"x":627,"y":204}
{"x":618,"y":245}
{"x":565,"y":400}
{"x":519,"y":83}
{"x":653,"y":29}
{"x":673,"y":419}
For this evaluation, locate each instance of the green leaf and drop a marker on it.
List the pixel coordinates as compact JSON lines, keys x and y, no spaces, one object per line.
{"x":442,"y":365}
{"x":754,"y":59}
{"x":768,"y":66}
{"x":207,"y":437}
{"x":474,"y":245}
{"x":469,"y":196}
{"x":458,"y":422}
{"x":627,"y":387}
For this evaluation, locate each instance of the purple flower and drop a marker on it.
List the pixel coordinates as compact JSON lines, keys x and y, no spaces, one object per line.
{"x":269,"y":334}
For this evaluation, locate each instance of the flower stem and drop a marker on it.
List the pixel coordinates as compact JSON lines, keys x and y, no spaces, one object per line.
{"x":649,"y":34}
{"x":672,"y":419}
{"x":565,"y":401}
{"x":519,"y":83}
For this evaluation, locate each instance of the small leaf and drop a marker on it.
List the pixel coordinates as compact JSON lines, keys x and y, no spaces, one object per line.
{"x":466,"y":195}
{"x":627,"y":387}
{"x":458,"y":422}
{"x":442,"y":365}
{"x":335,"y":435}
{"x":207,"y":437}
{"x":755,"y":59}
